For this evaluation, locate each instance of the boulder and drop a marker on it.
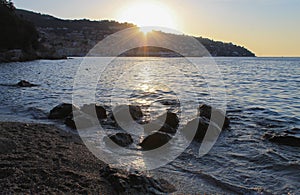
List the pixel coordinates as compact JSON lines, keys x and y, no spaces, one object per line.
{"x":83,"y":121}
{"x":24,"y":83}
{"x":169,"y":118}
{"x":169,"y":102}
{"x":167,"y":129}
{"x":93,"y":109}
{"x":122,"y":139}
{"x":134,"y":182}
{"x":167,"y":123}
{"x":155,"y":140}
{"x":125,"y":113}
{"x":220,"y":117}
{"x":200,"y":125}
{"x":284,"y":139}
{"x":69,"y":122}
{"x":61,"y":111}
{"x":153,"y":127}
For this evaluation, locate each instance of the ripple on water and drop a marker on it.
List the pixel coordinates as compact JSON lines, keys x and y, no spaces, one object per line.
{"x":262,"y":95}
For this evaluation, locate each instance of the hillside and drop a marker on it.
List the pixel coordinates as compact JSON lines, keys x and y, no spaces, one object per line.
{"x":218,"y":48}
{"x":76,"y":37}
{"x":71,"y":37}
{"x":17,"y":37}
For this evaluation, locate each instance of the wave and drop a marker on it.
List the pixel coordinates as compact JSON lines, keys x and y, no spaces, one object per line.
{"x":226,"y":186}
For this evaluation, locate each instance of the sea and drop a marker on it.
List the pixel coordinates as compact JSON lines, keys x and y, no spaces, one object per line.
{"x":260,"y":96}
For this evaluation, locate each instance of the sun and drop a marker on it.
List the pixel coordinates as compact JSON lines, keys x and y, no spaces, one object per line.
{"x":149,"y":15}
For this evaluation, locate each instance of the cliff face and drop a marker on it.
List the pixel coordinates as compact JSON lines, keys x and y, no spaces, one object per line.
{"x":76,"y":37}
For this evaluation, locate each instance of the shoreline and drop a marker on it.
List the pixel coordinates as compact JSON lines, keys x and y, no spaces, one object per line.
{"x":18,"y":55}
{"x":40,"y":158}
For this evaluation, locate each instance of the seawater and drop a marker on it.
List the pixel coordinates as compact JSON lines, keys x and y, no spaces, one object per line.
{"x":260,"y":95}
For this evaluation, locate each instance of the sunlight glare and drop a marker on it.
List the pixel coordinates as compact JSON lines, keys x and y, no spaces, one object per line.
{"x":148,"y":13}
{"x":146,"y":30}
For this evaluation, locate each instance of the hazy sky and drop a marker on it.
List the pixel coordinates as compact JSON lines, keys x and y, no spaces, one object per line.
{"x":266,"y":27}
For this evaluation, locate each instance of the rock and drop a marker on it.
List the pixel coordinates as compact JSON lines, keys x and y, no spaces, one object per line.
{"x":169,"y":102}
{"x":134,"y":182}
{"x":201,"y":125}
{"x":125,"y":113}
{"x":83,"y":121}
{"x":14,"y":55}
{"x":153,"y":127}
{"x":169,"y":118}
{"x":155,"y":140}
{"x":61,"y":111}
{"x":109,"y":122}
{"x":93,"y":109}
{"x":69,"y":122}
{"x":166,"y":123}
{"x":167,"y":129}
{"x":122,"y":139}
{"x":220,"y":117}
{"x":24,"y":83}
{"x":283,"y":139}
{"x":7,"y":146}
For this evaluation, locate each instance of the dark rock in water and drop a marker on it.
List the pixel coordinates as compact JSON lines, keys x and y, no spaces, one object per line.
{"x":82,"y":121}
{"x":167,"y":129}
{"x":295,"y":130}
{"x":109,"y":122}
{"x":153,"y":127}
{"x":94,"y":109}
{"x":70,"y":122}
{"x":169,"y":118}
{"x":283,"y":139}
{"x":155,"y":140}
{"x":290,"y":132}
{"x":135,"y":182}
{"x":122,"y":139}
{"x":125,"y":113}
{"x":169,"y":102}
{"x":61,"y":111}
{"x":197,"y":128}
{"x":24,"y":83}
{"x":166,"y":123}
{"x":219,"y":117}
{"x":7,"y":146}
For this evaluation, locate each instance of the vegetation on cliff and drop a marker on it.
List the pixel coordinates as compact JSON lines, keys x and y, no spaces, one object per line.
{"x":19,"y":38}
{"x":15,"y":33}
{"x":77,"y":37}
{"x":26,"y":35}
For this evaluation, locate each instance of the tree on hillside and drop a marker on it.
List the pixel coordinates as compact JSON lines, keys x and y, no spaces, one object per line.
{"x":15,"y":33}
{"x":9,"y":4}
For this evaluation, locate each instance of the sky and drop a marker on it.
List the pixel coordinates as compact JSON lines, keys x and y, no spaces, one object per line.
{"x":265,"y":27}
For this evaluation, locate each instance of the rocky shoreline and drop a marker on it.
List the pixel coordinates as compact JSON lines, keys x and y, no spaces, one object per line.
{"x":39,"y":158}
{"x":18,"y":55}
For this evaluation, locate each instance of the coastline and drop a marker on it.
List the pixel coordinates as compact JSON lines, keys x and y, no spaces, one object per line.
{"x":18,"y":55}
{"x":39,"y":158}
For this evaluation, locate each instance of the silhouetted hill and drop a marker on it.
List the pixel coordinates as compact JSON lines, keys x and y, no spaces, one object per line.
{"x":59,"y":37}
{"x":70,"y":37}
{"x":47,"y":21}
{"x":218,"y":48}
